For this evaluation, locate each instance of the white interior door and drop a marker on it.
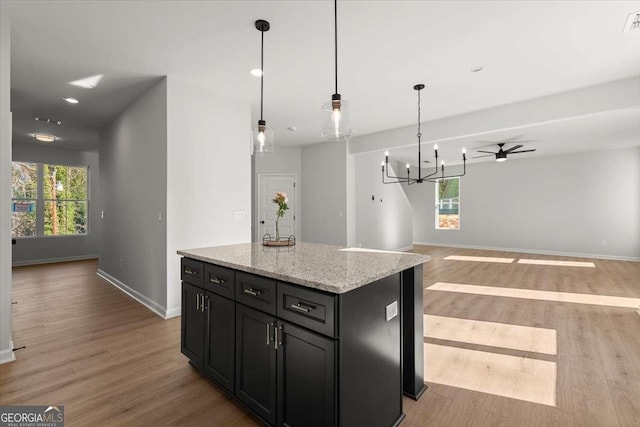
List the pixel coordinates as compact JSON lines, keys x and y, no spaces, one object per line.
{"x":268,"y":186}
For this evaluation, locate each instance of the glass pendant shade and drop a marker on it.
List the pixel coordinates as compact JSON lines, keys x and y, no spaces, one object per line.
{"x":336,"y":120}
{"x":261,"y":139}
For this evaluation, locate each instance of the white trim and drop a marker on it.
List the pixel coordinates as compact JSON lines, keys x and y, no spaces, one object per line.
{"x":173,"y":312}
{"x":405,"y":249}
{"x":151,"y":305}
{"x":533,"y":251}
{"x":53,"y":260}
{"x":7,"y":355}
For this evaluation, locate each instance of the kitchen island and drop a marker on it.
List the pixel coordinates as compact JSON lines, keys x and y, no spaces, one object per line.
{"x":309,"y":334}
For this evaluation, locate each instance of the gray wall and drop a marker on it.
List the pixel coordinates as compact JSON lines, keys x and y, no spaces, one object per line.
{"x":324,"y":193}
{"x":61,"y":248}
{"x":208,"y":176}
{"x":6,"y":345}
{"x":133,"y":186}
{"x":566,"y":204}
{"x":387,"y":221}
{"x":281,"y":161}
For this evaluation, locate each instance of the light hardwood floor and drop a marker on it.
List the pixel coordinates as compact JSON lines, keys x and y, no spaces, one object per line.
{"x":111,"y":361}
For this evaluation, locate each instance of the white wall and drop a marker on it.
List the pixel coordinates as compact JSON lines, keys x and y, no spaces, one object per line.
{"x":208,"y":175}
{"x":133,"y":186}
{"x":50,"y":249}
{"x":387,"y":221}
{"x":562,"y":204}
{"x":324,"y":193}
{"x":281,"y":161}
{"x":6,"y":345}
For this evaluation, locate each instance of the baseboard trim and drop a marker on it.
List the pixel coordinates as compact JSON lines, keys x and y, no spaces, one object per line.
{"x":53,"y":260}
{"x":405,"y":249}
{"x":150,"y":304}
{"x":7,"y":355}
{"x":173,"y":312}
{"x":533,"y":251}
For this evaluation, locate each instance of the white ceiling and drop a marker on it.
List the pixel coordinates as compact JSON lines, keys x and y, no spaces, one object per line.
{"x":528,"y":50}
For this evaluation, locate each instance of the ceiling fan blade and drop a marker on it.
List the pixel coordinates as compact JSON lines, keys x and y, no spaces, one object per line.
{"x":488,"y":152}
{"x":515,"y":147}
{"x":486,"y":155}
{"x":523,"y":151}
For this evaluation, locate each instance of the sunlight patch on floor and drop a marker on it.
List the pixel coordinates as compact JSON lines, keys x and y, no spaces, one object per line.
{"x":526,"y":338}
{"x":569,"y":297}
{"x":520,"y":378}
{"x":478,"y":259}
{"x":557,"y":263}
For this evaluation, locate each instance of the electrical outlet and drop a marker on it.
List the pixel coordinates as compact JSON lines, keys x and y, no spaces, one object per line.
{"x":121,"y":262}
{"x":238,"y":215}
{"x":391,"y":310}
{"x":603,"y":243}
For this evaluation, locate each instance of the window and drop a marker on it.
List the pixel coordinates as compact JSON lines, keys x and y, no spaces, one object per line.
{"x":48,"y":200}
{"x":448,"y":204}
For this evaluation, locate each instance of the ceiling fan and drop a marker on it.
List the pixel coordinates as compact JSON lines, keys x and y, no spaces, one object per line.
{"x":501,"y":155}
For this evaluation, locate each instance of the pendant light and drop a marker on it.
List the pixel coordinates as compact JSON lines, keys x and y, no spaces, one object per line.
{"x":432,"y":177}
{"x":261,"y":135}
{"x":335,"y":113}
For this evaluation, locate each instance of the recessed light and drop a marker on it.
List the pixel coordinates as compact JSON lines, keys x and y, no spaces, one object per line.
{"x":476,"y":68}
{"x":44,"y":137}
{"x":71,"y":100}
{"x":256,"y":72}
{"x":292,"y":128}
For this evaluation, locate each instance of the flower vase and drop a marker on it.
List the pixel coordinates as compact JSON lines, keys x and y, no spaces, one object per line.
{"x":277,"y":230}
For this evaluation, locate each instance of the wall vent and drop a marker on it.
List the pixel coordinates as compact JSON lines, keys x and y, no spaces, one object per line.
{"x":633,"y":23}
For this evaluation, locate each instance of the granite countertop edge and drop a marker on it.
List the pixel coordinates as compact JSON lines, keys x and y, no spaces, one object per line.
{"x":420,"y":259}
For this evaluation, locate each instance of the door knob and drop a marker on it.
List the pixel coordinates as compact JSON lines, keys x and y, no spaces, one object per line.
{"x":261,"y":222}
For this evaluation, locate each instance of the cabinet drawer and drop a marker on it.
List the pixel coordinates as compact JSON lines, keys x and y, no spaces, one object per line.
{"x":219,"y":280}
{"x":257,"y":292}
{"x":305,"y":307}
{"x":192,"y":271}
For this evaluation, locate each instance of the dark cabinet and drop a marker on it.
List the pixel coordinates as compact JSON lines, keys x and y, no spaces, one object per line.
{"x":296,"y":356}
{"x":219,"y":345}
{"x":306,"y":378}
{"x":256,"y":361}
{"x":192,"y":324}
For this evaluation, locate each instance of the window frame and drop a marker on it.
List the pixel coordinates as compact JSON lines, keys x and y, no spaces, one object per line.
{"x":437,"y":208}
{"x":40,"y":201}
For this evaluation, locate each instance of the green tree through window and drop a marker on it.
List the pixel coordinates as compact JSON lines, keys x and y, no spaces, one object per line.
{"x":60,"y":206}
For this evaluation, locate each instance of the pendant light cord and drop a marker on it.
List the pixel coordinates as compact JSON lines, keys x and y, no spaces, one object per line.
{"x":335,"y":21}
{"x":262,"y":71}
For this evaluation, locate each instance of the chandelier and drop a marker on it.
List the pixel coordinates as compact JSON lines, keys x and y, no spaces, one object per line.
{"x":437,"y":175}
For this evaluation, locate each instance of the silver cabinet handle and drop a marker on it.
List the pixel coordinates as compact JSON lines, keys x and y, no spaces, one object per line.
{"x":253,"y":293}
{"x":190,"y":272}
{"x":278,"y":343}
{"x":216,"y":280}
{"x":204,"y":306}
{"x":302,"y":308}
{"x":268,"y":325}
{"x":197,"y":301}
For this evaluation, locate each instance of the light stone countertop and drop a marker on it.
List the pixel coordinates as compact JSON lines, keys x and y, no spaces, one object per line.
{"x":329,"y":268}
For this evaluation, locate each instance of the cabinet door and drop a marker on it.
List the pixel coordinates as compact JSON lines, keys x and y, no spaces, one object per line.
{"x":219,"y":346}
{"x":306,"y":378}
{"x":192,"y":331}
{"x":256,"y":361}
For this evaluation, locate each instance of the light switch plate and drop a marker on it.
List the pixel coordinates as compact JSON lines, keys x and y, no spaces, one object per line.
{"x":238,"y":215}
{"x":391,"y":310}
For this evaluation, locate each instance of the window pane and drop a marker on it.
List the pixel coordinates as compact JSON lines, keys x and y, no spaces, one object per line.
{"x":448,"y":204}
{"x":62,"y":218}
{"x":23,"y":219}
{"x":24,"y":180}
{"x":77,"y":183}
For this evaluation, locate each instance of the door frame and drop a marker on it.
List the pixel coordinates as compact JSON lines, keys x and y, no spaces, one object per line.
{"x":296,"y":207}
